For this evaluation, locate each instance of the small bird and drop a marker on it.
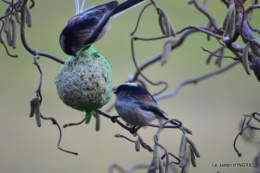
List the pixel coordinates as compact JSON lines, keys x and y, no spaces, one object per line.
{"x":136,"y":106}
{"x":91,"y":25}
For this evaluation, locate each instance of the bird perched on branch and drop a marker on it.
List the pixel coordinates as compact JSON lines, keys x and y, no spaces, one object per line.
{"x":91,"y":25}
{"x":136,"y":106}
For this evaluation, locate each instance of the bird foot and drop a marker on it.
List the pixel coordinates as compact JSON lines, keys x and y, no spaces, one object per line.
{"x":132,"y":130}
{"x":113,"y":118}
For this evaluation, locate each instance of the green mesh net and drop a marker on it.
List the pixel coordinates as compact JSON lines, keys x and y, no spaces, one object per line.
{"x":84,"y":82}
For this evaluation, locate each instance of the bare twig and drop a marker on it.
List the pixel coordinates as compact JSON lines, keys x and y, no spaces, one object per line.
{"x":139,"y":17}
{"x":201,"y":30}
{"x":26,"y":46}
{"x":194,"y":81}
{"x":54,"y":122}
{"x":136,"y":66}
{"x":248,"y":125}
{"x":220,"y":56}
{"x":252,"y":7}
{"x":74,"y":124}
{"x":38,"y":91}
{"x":225,"y":2}
{"x":203,"y":11}
{"x":177,"y":44}
{"x":122,"y":136}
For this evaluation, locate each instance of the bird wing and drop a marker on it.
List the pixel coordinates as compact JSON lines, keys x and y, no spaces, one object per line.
{"x":151,"y":108}
{"x":89,"y":23}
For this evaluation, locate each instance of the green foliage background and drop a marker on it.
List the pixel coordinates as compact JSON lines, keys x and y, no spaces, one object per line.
{"x":211,"y":108}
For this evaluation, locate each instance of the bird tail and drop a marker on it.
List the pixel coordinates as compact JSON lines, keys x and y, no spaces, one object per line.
{"x":125,"y":6}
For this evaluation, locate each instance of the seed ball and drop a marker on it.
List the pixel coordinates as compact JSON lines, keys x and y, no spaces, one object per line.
{"x":84,"y":82}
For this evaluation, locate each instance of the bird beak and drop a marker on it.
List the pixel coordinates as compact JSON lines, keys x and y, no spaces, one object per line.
{"x":114,"y":90}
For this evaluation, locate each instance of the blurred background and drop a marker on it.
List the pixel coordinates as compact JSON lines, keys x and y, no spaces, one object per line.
{"x":211,"y":108}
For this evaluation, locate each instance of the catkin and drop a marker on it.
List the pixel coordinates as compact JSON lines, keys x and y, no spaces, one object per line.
{"x":161,"y":22}
{"x":255,"y":46}
{"x":28,"y":16}
{"x":14,"y":34}
{"x":166,"y":52}
{"x":17,"y":16}
{"x":232,"y":24}
{"x":187,"y":166}
{"x":8,"y":33}
{"x":245,"y":58}
{"x":228,"y":24}
{"x":6,"y":21}
{"x":97,"y":116}
{"x":37,"y":113}
{"x":193,"y":159}
{"x":182,"y":146}
{"x":137,"y":145}
{"x":167,"y":23}
{"x":32,"y":106}
{"x":155,"y":162}
{"x":193,"y":146}
{"x":185,"y":157}
{"x":161,"y":167}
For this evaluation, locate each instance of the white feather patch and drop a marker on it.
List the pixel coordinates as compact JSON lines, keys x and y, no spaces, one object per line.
{"x":131,"y":84}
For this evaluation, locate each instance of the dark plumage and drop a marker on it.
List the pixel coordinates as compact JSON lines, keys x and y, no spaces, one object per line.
{"x":136,"y":106}
{"x":91,"y":25}
{"x":134,"y":100}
